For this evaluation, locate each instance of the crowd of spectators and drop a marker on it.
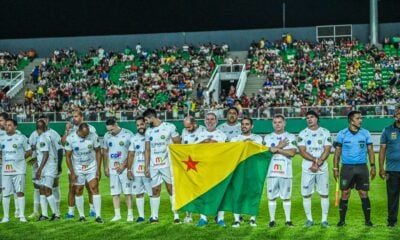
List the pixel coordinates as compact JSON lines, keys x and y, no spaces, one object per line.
{"x":304,"y":74}
{"x":108,"y":82}
{"x":297,"y":75}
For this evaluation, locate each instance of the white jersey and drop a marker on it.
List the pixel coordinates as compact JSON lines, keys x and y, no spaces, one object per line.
{"x":44,"y":144}
{"x":117,"y":146}
{"x":253,"y":137}
{"x":280,"y":165}
{"x":230,"y":131}
{"x":216,"y":135}
{"x":191,"y":137}
{"x":13,"y":150}
{"x":83,"y":151}
{"x":314,"y":141}
{"x":3,"y":133}
{"x":138,"y":143}
{"x":159,"y":138}
{"x":55,"y":138}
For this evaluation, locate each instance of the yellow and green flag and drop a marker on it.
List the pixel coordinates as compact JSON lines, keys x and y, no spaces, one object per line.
{"x":216,"y":177}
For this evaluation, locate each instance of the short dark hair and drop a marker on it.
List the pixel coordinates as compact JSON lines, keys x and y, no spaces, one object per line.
{"x":234,"y":108}
{"x":41,"y":124}
{"x":83,"y":126}
{"x":191,"y":119}
{"x":111,"y":121}
{"x":248,"y":118}
{"x":12,"y":120}
{"x":4,"y":115}
{"x":312,"y":112}
{"x":150,"y":112}
{"x":42,"y":116}
{"x":351,"y":114}
{"x":139,"y":118}
{"x":279,"y":116}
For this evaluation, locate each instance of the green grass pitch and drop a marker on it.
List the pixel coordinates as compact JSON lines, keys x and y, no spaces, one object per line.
{"x":71,"y":229}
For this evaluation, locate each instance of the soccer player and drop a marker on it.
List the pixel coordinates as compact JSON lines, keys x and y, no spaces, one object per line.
{"x":157,"y":165}
{"x":231,"y":128}
{"x":140,"y":183}
{"x":56,"y":142}
{"x":190,"y":134}
{"x":280,"y":174}
{"x":115,"y":153}
{"x":247,"y":135}
{"x":83,"y":156}
{"x":315,"y":144}
{"x":14,"y":150}
{"x":46,"y":153}
{"x":72,"y":127}
{"x":390,"y":150}
{"x":3,"y":117}
{"x":211,"y":135}
{"x":352,"y":145}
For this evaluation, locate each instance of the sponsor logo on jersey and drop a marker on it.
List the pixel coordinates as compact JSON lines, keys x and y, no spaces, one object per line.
{"x":140,"y":168}
{"x":110,"y":144}
{"x":3,"y":146}
{"x":309,"y":142}
{"x":121,"y":143}
{"x":76,"y":149}
{"x":185,"y":142}
{"x":115,"y":155}
{"x":162,"y":137}
{"x":90,"y":146}
{"x":151,"y":138}
{"x":329,"y":139}
{"x":42,"y":144}
{"x":299,"y":139}
{"x":66,"y":143}
{"x":319,"y":141}
{"x":157,"y":130}
{"x":9,"y":168}
{"x":15,"y":146}
{"x":116,"y":165}
{"x":160,"y":161}
{"x":272,"y":144}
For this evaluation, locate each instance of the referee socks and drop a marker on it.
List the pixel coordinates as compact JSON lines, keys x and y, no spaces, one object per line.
{"x":366,"y":206}
{"x":343,"y":209}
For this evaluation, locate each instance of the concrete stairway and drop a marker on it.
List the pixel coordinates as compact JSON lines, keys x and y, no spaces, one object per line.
{"x":19,"y":98}
{"x":254,"y":84}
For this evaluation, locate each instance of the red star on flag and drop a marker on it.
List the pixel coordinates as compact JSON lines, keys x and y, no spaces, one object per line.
{"x":191,"y":164}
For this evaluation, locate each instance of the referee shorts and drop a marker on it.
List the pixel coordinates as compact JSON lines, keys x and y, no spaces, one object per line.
{"x":354,"y":175}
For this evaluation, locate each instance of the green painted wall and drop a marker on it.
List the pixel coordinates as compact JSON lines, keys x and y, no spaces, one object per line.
{"x":260,"y":126}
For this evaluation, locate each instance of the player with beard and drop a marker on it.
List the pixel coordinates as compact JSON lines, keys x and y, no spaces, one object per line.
{"x":72,"y":127}
{"x":140,"y":183}
{"x":247,"y":135}
{"x":190,"y":134}
{"x":231,"y":128}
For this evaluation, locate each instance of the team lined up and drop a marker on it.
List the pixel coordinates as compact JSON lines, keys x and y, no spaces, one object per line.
{"x":138,"y":164}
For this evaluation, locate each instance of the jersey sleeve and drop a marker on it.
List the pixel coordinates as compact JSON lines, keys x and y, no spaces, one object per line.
{"x":384,"y":138}
{"x":132,"y":145}
{"x":259,"y":139}
{"x":96,"y":141}
{"x":105,"y":141}
{"x":25,"y":144}
{"x":339,"y":139}
{"x":68,"y":146}
{"x":301,"y":139}
{"x":174,"y":133}
{"x":292,"y":142}
{"x":328,"y":138}
{"x":32,"y":140}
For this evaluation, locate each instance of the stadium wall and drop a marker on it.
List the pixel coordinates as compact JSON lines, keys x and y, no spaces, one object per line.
{"x":374,"y":125}
{"x":238,"y":40}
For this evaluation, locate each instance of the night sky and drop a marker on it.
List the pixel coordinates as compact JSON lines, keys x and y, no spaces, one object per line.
{"x":51,"y":18}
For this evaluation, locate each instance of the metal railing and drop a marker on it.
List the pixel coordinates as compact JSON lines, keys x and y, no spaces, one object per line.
{"x":13,"y":80}
{"x":255,"y":113}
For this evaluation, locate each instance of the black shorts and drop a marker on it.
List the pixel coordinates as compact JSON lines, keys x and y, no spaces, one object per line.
{"x":354,"y":175}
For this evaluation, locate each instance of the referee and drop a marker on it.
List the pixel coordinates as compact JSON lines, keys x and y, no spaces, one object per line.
{"x":390,"y":149}
{"x":352,"y":145}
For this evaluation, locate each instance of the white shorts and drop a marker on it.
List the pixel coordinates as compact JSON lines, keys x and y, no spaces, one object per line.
{"x":1,"y":166}
{"x":160,"y":175}
{"x":279,"y":187}
{"x":88,"y":176}
{"x":34,"y":180}
{"x":141,"y":185}
{"x":13,"y":184}
{"x":46,"y":181}
{"x":311,"y":181}
{"x":120,"y":183}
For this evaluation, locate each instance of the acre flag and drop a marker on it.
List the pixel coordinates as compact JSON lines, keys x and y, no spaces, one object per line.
{"x":216,"y":177}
